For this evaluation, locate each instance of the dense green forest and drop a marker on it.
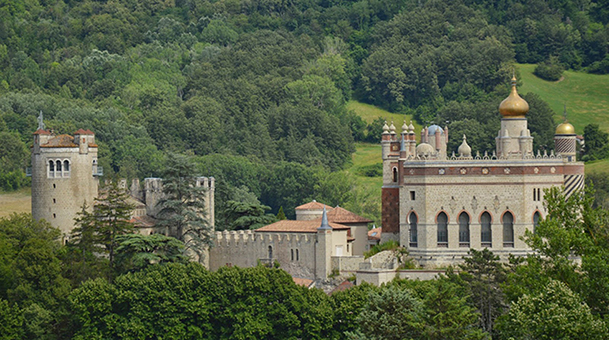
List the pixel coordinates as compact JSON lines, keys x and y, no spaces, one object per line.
{"x":256,"y":90}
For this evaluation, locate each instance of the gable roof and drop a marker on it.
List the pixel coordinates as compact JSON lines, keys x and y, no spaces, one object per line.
{"x":313,"y":205}
{"x":290,"y":226}
{"x":303,"y":282}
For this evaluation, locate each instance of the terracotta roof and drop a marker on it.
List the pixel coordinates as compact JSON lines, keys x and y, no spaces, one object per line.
{"x":342,"y":215}
{"x":83,"y":132}
{"x":343,"y":286}
{"x":290,"y":226}
{"x":374,"y":234}
{"x":303,"y":282}
{"x":313,"y":205}
{"x":42,"y":132}
{"x":61,"y":141}
{"x":143,"y":221}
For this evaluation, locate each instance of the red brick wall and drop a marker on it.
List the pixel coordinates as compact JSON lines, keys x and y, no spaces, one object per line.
{"x":391,"y":210}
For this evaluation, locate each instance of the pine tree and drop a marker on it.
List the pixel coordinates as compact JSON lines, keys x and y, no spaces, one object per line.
{"x":182,"y":210}
{"x":281,"y":215}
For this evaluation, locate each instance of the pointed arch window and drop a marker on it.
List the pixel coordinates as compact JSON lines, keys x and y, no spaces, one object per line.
{"x":412,"y":220}
{"x":442,"y":222}
{"x":486,"y":233}
{"x":395,"y":175}
{"x":51,"y":169}
{"x":463,"y":230}
{"x":536,"y":218}
{"x":508,"y":230}
{"x":270,"y":252}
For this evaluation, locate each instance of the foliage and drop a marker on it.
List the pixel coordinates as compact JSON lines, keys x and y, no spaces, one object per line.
{"x":554,"y":313}
{"x":596,"y":143}
{"x":389,"y":245}
{"x":244,"y":216}
{"x":136,"y":252}
{"x":550,"y":70}
{"x":183,"y":207}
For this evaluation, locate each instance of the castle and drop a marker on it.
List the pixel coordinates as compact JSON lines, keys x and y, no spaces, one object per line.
{"x":437,"y":206}
{"x":440,"y":206}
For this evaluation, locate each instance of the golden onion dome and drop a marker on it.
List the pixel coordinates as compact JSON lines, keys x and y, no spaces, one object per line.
{"x":565,"y":129}
{"x":513,"y":106}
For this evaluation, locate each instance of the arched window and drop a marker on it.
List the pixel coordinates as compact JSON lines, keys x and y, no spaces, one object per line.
{"x":412,"y":219}
{"x":463,"y":230}
{"x":536,"y":218}
{"x":486,"y":234}
{"x":395,"y":174}
{"x":508,"y":230}
{"x":58,"y":167}
{"x":66,"y":168}
{"x":442,"y":230}
{"x":51,"y":169}
{"x":270,"y":252}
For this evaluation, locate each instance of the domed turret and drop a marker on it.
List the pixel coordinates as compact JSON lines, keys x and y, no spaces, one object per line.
{"x":565,"y":129}
{"x":513,"y":106}
{"x":425,"y":149}
{"x":464,"y":149}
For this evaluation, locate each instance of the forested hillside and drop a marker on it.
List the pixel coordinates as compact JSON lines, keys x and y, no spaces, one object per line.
{"x":256,"y":90}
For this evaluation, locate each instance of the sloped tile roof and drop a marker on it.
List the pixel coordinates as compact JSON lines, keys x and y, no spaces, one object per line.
{"x":42,"y":132}
{"x":289,"y":226}
{"x":374,"y":234}
{"x":342,"y":215}
{"x":313,"y":205}
{"x":61,"y":141}
{"x":343,"y":286}
{"x":303,"y":282}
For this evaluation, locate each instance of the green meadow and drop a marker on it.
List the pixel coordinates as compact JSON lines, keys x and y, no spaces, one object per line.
{"x":585,"y":95}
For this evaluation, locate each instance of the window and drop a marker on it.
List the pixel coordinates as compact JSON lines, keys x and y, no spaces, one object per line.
{"x":508,"y":230}
{"x":292,"y":251}
{"x":51,"y":173}
{"x":54,"y":200}
{"x":297,"y":257}
{"x":412,"y":196}
{"x":536,"y":218}
{"x":534,"y":194}
{"x":66,"y":168}
{"x":58,"y":167}
{"x":412,"y":219}
{"x":442,"y":230}
{"x":270,"y":252}
{"x":395,"y":174}
{"x":486,"y":234}
{"x":463,"y":230}
{"x":54,"y":216}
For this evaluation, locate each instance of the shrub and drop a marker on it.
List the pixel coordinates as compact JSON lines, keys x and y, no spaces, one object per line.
{"x":550,"y":70}
{"x":373,"y":170}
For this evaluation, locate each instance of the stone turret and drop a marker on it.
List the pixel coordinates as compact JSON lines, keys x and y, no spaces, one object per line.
{"x":323,"y":249}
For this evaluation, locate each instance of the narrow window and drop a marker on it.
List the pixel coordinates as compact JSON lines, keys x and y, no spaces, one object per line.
{"x":54,"y":201}
{"x":51,"y":169}
{"x":292,"y":251}
{"x":54,"y":216}
{"x":442,"y":230}
{"x":297,"y":255}
{"x":413,"y":229}
{"x":270,"y":252}
{"x":486,"y":232}
{"x":66,"y":168}
{"x":539,"y":194}
{"x":534,"y":194}
{"x":464,"y":230}
{"x":412,"y":196}
{"x":58,"y":167}
{"x":54,"y":186}
{"x":508,"y":230}
{"x":395,"y":174}
{"x":536,"y":218}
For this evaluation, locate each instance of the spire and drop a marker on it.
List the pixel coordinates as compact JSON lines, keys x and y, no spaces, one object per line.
{"x":40,"y":122}
{"x":324,"y":221}
{"x":403,"y":145}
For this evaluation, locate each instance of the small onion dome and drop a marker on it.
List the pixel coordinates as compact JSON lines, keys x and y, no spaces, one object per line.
{"x":385,"y":128}
{"x":405,"y":128}
{"x":565,"y":129}
{"x":433,"y":129}
{"x":464,"y":149}
{"x":411,"y":127}
{"x":424,"y":148}
{"x":513,"y":106}
{"x":392,"y":127}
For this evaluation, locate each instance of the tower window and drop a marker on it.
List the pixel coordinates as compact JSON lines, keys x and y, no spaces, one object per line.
{"x":508,"y":230}
{"x":412,"y":195}
{"x":54,"y":216}
{"x":486,"y":233}
{"x":297,"y":255}
{"x":270,"y":252}
{"x":395,"y":174}
{"x":536,"y":218}
{"x":442,"y":230}
{"x":54,"y":200}
{"x":51,"y":173}
{"x":292,"y":252}
{"x":413,"y":229}
{"x":464,"y":230}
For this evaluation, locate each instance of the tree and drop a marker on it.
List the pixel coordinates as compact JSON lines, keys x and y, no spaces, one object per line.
{"x":596,"y":143}
{"x":136,"y":252}
{"x":392,"y":313}
{"x":244,"y":216}
{"x":555,"y":313}
{"x":281,"y":215}
{"x":183,"y":208}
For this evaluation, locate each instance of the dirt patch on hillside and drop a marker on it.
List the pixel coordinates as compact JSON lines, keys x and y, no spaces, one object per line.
{"x":15,"y":202}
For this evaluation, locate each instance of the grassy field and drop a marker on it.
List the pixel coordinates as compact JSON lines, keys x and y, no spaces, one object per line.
{"x":586,"y":96}
{"x":370,"y":112}
{"x":15,"y":202}
{"x":600,"y":166}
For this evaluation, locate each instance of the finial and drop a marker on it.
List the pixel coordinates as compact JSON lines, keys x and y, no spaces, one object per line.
{"x":40,"y":122}
{"x":385,"y":128}
{"x":405,"y":128}
{"x":392,"y":127}
{"x":324,"y":221}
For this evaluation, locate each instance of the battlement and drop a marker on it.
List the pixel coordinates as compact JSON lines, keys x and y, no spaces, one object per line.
{"x":234,"y":238}
{"x":486,"y":157}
